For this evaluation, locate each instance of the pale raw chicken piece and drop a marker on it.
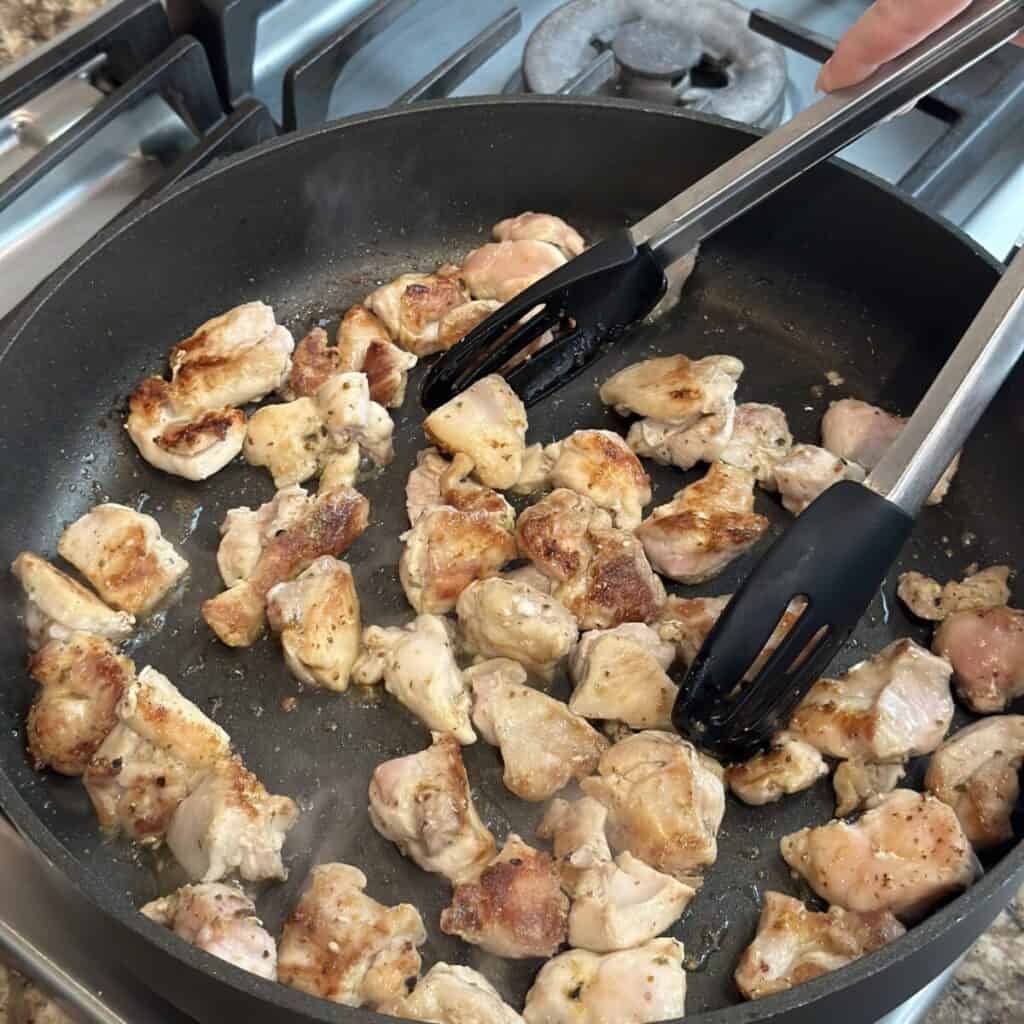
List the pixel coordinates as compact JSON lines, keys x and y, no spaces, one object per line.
{"x":342,"y":945}
{"x":515,"y":908}
{"x":760,"y":441}
{"x":859,"y":784}
{"x":123,"y":554}
{"x":501,"y":270}
{"x":794,"y":944}
{"x":929,"y":600}
{"x":789,"y":766}
{"x":893,"y":706}
{"x":705,"y":527}
{"x":503,"y":619}
{"x":436,"y":482}
{"x":487,"y":422}
{"x":665,"y":801}
{"x":365,"y":346}
{"x":543,"y":744}
{"x":554,"y":533}
{"x":976,"y":773}
{"x":412,"y":307}
{"x":807,"y":472}
{"x":81,"y":682}
{"x":423,"y":804}
{"x":576,"y":831}
{"x":621,"y":674}
{"x":57,"y":606}
{"x":686,"y":622}
{"x":313,"y":361}
{"x":458,"y":322}
{"x":986,"y":649}
{"x":329,"y":524}
{"x":599,"y":464}
{"x":317,"y":617}
{"x":542,"y":227}
{"x":905,"y":855}
{"x":673,"y":445}
{"x":451,"y":994}
{"x":535,"y":475}
{"x":417,"y":665}
{"x":220,"y":919}
{"x":632,"y":986}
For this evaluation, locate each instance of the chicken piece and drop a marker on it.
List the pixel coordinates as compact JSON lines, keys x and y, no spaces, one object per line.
{"x":543,"y":744}
{"x":328,"y":526}
{"x":554,"y":533}
{"x":894,"y":706}
{"x":423,"y":804}
{"x":535,"y":475}
{"x":436,"y":482}
{"x":807,"y":472}
{"x":451,"y":994}
{"x":487,"y":422}
{"x":928,"y":600}
{"x":412,"y":306}
{"x":313,"y":362}
{"x":317,"y":616}
{"x":341,"y":470}
{"x":905,"y":855}
{"x":789,"y":766}
{"x":57,"y":606}
{"x":541,"y":227}
{"x":859,"y":784}
{"x":686,"y":622}
{"x":515,"y":908}
{"x":364,"y":346}
{"x":760,"y":441}
{"x":705,"y":527}
{"x":501,"y":270}
{"x":621,"y":674}
{"x":27,"y":1003}
{"x":684,"y":446}
{"x":417,"y":665}
{"x":81,"y":681}
{"x":123,"y":554}
{"x":794,"y":944}
{"x":976,"y":773}
{"x":665,"y":801}
{"x":501,"y":619}
{"x":576,"y":831}
{"x":599,"y":464}
{"x":342,"y":945}
{"x":633,"y":986}
{"x":531,"y":576}
{"x":458,"y":322}
{"x":220,"y":919}
{"x":350,"y":415}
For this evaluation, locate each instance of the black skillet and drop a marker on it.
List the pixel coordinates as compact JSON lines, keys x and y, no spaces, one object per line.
{"x":837,"y":273}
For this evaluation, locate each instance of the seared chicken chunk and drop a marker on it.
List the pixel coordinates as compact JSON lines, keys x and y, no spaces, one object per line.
{"x":501,"y":270}
{"x":794,"y":944}
{"x":364,"y":346}
{"x":436,"y":482}
{"x":542,"y":227}
{"x":686,"y":622}
{"x":894,"y":706}
{"x":220,"y":919}
{"x":450,"y":994}
{"x":81,"y":681}
{"x":313,"y":362}
{"x":515,"y":908}
{"x":458,"y":322}
{"x":807,"y":472}
{"x":123,"y":554}
{"x":705,"y":527}
{"x":58,"y":606}
{"x":859,"y":784}
{"x":633,"y":986}
{"x":554,"y":533}
{"x":423,"y":804}
{"x":412,"y":306}
{"x":317,"y":617}
{"x":929,"y":600}
{"x":684,"y":446}
{"x":790,"y":766}
{"x":576,"y":831}
{"x":543,"y":744}
{"x":342,"y":945}
{"x":760,"y":440}
{"x":905,"y":855}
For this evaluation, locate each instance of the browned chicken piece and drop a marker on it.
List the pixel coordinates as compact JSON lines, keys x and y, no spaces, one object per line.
{"x":365,"y":346}
{"x":451,"y":994}
{"x":487,"y":422}
{"x":760,"y":441}
{"x":412,"y":306}
{"x":313,"y":362}
{"x":928,"y":599}
{"x":794,"y":945}
{"x":123,"y":554}
{"x":986,"y":649}
{"x":342,"y":945}
{"x":859,"y":784}
{"x":542,"y":227}
{"x":893,"y":706}
{"x":672,"y":445}
{"x":330,"y":524}
{"x":81,"y":681}
{"x":515,"y":908}
{"x":436,"y":482}
{"x":807,"y":472}
{"x":705,"y":527}
{"x":976,"y":772}
{"x":905,"y":855}
{"x":686,"y":622}
{"x":501,"y":270}
{"x":665,"y":801}
{"x":458,"y":322}
{"x":543,"y":744}
{"x":788,"y":766}
{"x":423,"y":804}
{"x":554,"y":533}
{"x":576,"y":832}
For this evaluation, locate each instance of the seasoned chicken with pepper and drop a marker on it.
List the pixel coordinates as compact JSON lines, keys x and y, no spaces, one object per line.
{"x":412,"y":306}
{"x":451,"y":994}
{"x":123,"y":554}
{"x":928,"y":599}
{"x":794,"y":944}
{"x":313,"y":362}
{"x":807,"y":472}
{"x":555,"y":533}
{"x":435,"y":482}
{"x":789,"y":766}
{"x":220,"y":919}
{"x":501,"y":270}
{"x":905,"y":855}
{"x":705,"y":527}
{"x":245,"y":532}
{"x":672,"y":445}
{"x":894,"y":706}
{"x":541,"y":227}
{"x":760,"y":441}
{"x":423,"y":804}
{"x":859,"y":784}
{"x":515,"y":908}
{"x":364,"y":346}
{"x":576,"y":831}
{"x":342,"y":945}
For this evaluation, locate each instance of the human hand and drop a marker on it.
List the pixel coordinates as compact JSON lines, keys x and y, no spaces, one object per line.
{"x":885,"y":30}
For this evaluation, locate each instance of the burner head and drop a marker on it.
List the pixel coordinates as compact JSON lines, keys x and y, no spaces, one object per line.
{"x":650,"y":50}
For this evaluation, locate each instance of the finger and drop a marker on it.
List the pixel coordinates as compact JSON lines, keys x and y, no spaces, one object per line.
{"x":1018,"y":40}
{"x":887,"y":29}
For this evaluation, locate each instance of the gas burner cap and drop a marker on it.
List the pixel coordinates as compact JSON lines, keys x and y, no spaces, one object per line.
{"x":655,"y":50}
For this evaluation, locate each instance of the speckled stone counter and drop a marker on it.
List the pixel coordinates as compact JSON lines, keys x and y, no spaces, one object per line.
{"x":26,"y":23}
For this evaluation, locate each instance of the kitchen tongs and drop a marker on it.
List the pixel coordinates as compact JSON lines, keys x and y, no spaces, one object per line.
{"x":591,"y":300}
